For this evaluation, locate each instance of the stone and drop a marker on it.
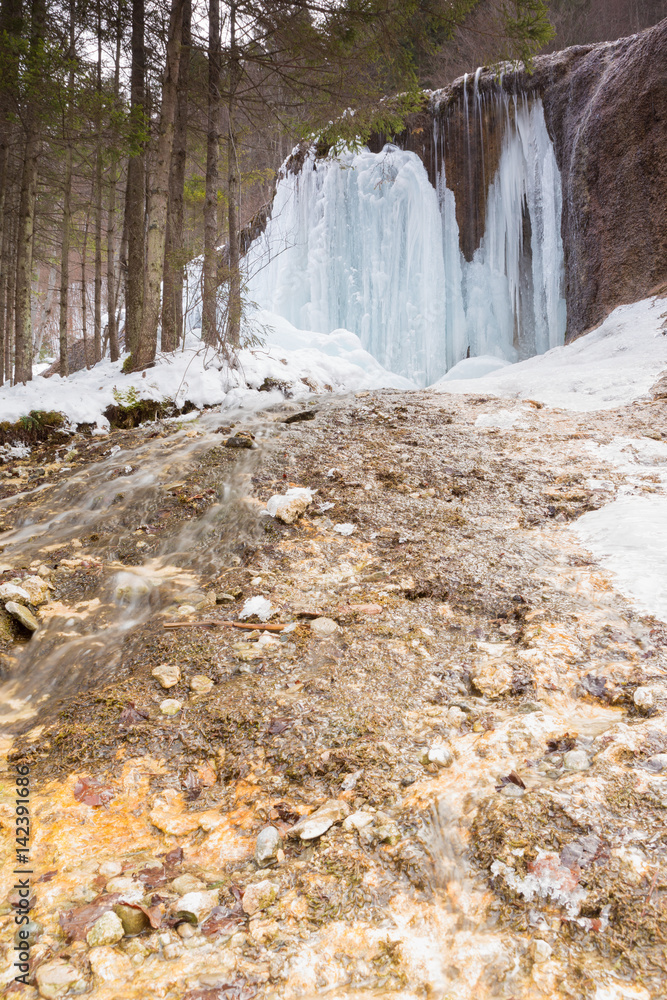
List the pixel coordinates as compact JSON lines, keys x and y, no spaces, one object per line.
{"x":576,"y":760}
{"x":129,"y":889}
{"x":37,"y":589}
{"x":492,"y":678}
{"x":109,"y":965}
{"x":358,"y":820}
{"x":170,"y":706}
{"x":187,"y":883}
{"x":110,"y":869}
{"x":185,"y":931}
{"x":323,"y":626}
{"x":107,"y":929}
{"x":441,"y":755}
{"x":195,"y":906}
{"x":540,"y":950}
{"x":455,"y":716}
{"x":259,"y":895}
{"x":13,"y":592}
{"x":267,"y":846}
{"x":287,"y":507}
{"x":200,"y":684}
{"x":33,"y":929}
{"x":658,"y":762}
{"x":223,"y":598}
{"x":22,"y":615}
{"x":173,"y":950}
{"x":168,"y":674}
{"x":310,"y":827}
{"x":55,"y":979}
{"x":388,"y":833}
{"x":644,"y":697}
{"x":133,"y":919}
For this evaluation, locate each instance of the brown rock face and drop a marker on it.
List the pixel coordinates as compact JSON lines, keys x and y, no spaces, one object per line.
{"x":606,"y":110}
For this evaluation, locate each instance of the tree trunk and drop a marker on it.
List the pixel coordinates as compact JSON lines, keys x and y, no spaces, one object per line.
{"x":10,"y":254}
{"x":98,"y":200}
{"x":172,"y":283}
{"x":67,"y":207}
{"x":233,"y":333}
{"x":112,"y":322}
{"x":25,"y":237}
{"x":159,"y":192}
{"x":210,"y":275}
{"x":84,"y":302}
{"x":135,"y":199}
{"x":4,"y":184}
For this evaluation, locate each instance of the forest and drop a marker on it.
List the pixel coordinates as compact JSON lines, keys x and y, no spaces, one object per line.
{"x":136,"y":137}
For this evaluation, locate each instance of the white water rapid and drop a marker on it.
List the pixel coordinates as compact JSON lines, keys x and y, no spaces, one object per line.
{"x":364,"y":242}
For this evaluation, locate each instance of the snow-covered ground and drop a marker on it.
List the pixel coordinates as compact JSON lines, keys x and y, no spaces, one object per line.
{"x":299,"y":360}
{"x":608,"y":367}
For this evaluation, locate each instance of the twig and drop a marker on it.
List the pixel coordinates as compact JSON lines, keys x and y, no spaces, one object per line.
{"x":213,"y":624}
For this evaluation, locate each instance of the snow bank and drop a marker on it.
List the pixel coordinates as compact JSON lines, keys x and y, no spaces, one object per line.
{"x":629,"y":538}
{"x":609,"y":367}
{"x":300,"y":361}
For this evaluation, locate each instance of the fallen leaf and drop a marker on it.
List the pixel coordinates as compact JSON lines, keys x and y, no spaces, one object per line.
{"x":278,"y":726}
{"x":223,"y":920}
{"x":131,"y":715}
{"x":46,"y":877}
{"x":77,"y":922}
{"x":92,"y":792}
{"x":510,"y":779}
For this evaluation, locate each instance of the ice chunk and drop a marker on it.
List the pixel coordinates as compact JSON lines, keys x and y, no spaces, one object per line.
{"x":257,"y":606}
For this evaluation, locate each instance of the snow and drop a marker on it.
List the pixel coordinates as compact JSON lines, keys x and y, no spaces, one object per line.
{"x":336,"y":363}
{"x":474,"y":368}
{"x":611,"y":366}
{"x":257,"y":606}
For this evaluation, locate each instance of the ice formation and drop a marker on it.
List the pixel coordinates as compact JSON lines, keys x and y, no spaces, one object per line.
{"x":364,"y":242}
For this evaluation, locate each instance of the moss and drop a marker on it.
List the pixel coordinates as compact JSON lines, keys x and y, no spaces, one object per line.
{"x":38,"y":425}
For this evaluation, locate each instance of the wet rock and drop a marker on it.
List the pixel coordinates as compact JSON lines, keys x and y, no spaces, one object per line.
{"x":224,"y":598}
{"x":439,"y":754}
{"x":185,"y":931}
{"x":134,"y":920}
{"x":200,"y":684}
{"x":195,"y":906}
{"x":22,"y":615}
{"x":455,"y":716}
{"x":267,"y":846}
{"x":492,"y":678}
{"x":168,"y":674}
{"x":287,"y":507}
{"x":55,"y":979}
{"x":240,"y":440}
{"x":170,"y":706}
{"x":358,"y":820}
{"x":310,"y":827}
{"x":172,"y":950}
{"x":576,"y":760}
{"x":109,"y":965}
{"x":37,"y":589}
{"x":12,"y":592}
{"x":323,"y":627}
{"x":644,"y":697}
{"x":658,"y":762}
{"x":388,"y":833}
{"x":295,"y":418}
{"x":107,"y":929}
{"x":129,"y":889}
{"x":258,"y":896}
{"x":187,"y":883}
{"x":540,"y":950}
{"x":28,"y":933}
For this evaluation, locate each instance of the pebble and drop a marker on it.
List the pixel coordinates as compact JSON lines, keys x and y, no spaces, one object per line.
{"x":440,"y":755}
{"x":22,"y":615}
{"x":310,"y":827}
{"x":185,"y":931}
{"x":33,"y":929}
{"x":287,"y":507}
{"x":576,"y":760}
{"x":130,"y":890}
{"x":455,"y":716}
{"x":187,"y":883}
{"x":201,"y":684}
{"x":224,"y":598}
{"x":492,"y":678}
{"x":658,"y":762}
{"x":173,"y":950}
{"x":12,"y":592}
{"x":36,"y":588}
{"x":110,"y":869}
{"x":540,"y":950}
{"x":170,"y":706}
{"x":258,"y":896}
{"x":195,"y":906}
{"x":388,"y":833}
{"x":107,"y":929}
{"x":168,"y":674}
{"x":358,"y":820}
{"x":644,"y":697}
{"x":133,"y":919}
{"x":323,"y":626}
{"x":55,"y":979}
{"x":267,"y":846}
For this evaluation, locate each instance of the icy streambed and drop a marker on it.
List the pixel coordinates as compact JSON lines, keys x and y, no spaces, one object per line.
{"x":473,"y":492}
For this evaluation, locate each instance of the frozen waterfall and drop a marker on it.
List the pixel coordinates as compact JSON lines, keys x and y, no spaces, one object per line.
{"x":364,"y":242}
